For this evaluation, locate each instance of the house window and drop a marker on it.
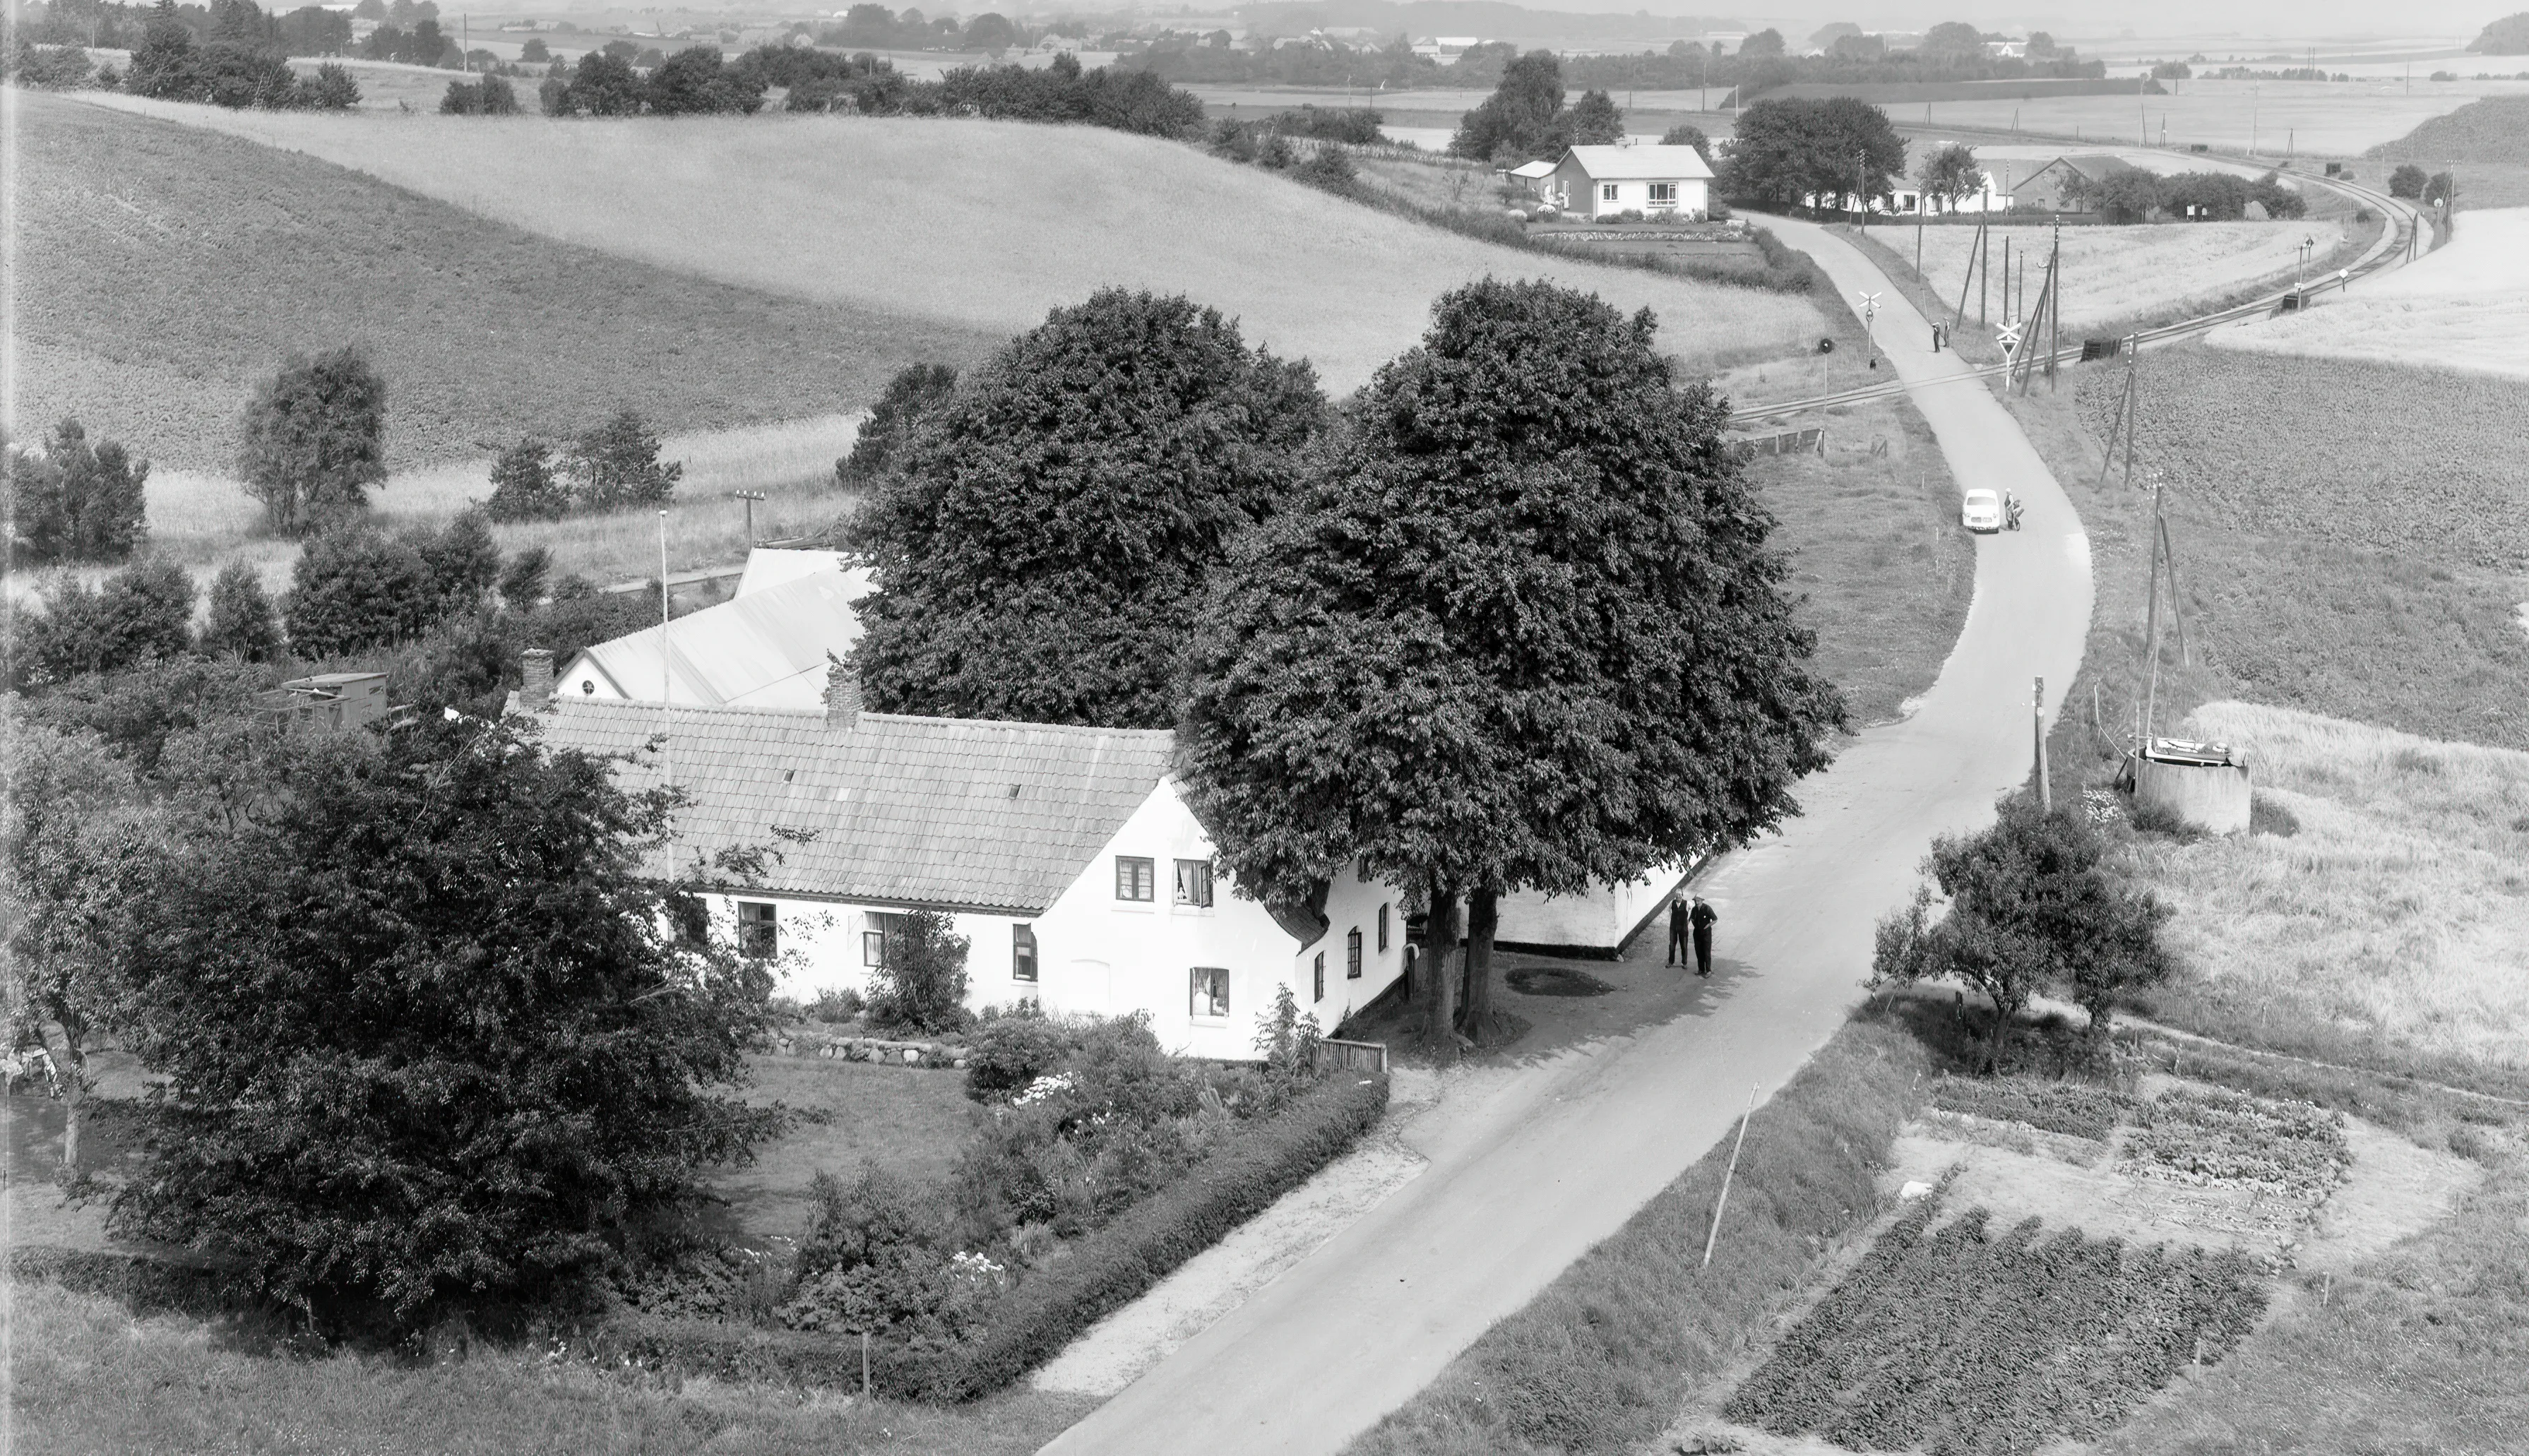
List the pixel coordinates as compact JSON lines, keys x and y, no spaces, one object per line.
{"x":1317,"y":977}
{"x":1361,"y":869}
{"x":1383,"y":930}
{"x":759,"y":934}
{"x":1194,"y":882}
{"x":1023,"y":953}
{"x":1664,"y":191}
{"x":1135,"y":879}
{"x":1606,"y":191}
{"x":1208,"y":992}
{"x":1351,"y":955}
{"x":884,"y":929}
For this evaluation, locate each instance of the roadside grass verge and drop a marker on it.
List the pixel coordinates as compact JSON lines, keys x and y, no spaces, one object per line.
{"x":981,"y":226}
{"x":164,"y":269}
{"x":1964,"y":1339}
{"x":91,"y":1376}
{"x":1600,"y":1360}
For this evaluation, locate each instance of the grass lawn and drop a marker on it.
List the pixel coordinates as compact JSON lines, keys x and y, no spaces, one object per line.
{"x":2392,"y":922}
{"x":164,"y":269}
{"x":89,"y":1376}
{"x":912,"y":1121}
{"x":979,"y":225}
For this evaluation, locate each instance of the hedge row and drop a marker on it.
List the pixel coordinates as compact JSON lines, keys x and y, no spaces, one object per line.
{"x":1964,"y":1341}
{"x":1101,"y":1273}
{"x":137,"y":1281}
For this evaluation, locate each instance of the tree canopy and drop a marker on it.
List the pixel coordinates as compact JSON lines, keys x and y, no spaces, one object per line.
{"x":1526,"y":633}
{"x":1043,"y":548}
{"x":1789,"y":151}
{"x":1950,"y":173}
{"x":73,"y":501}
{"x":315,"y":440}
{"x":2032,"y":907}
{"x":2508,"y":37}
{"x":431,"y":1041}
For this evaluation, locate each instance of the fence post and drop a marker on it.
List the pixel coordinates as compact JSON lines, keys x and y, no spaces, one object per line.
{"x":1727,"y":1174}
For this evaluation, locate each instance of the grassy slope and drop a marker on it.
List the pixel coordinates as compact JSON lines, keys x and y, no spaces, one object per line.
{"x":983,"y":224}
{"x":2394,"y":922}
{"x":2117,"y":273}
{"x":163,"y":269}
{"x":88,"y":1377}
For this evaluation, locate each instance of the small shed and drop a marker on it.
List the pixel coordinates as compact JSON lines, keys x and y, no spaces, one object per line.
{"x":1538,"y":177}
{"x":1670,"y":181}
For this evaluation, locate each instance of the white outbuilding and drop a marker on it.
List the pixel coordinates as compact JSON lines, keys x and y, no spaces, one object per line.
{"x":1657,"y":182}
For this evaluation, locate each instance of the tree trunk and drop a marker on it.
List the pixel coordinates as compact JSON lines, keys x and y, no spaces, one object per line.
{"x":1484,"y":917}
{"x":71,"y":1065}
{"x":1440,"y":981}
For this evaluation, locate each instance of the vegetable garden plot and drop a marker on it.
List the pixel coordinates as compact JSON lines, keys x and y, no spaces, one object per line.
{"x":2220,"y":1135}
{"x":1963,"y":1340}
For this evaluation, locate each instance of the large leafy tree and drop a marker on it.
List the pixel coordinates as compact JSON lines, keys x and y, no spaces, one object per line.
{"x":315,"y":440}
{"x":74,"y":501}
{"x":1522,"y":116}
{"x":142,"y":612}
{"x":1043,"y":546}
{"x":1528,"y":632}
{"x":426,"y":1033}
{"x":1950,"y":173}
{"x":2032,"y":906}
{"x":916,"y":391}
{"x":1789,"y":151}
{"x":78,"y":858}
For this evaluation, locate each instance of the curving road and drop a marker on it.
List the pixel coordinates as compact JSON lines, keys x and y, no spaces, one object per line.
{"x":1519,"y":1189}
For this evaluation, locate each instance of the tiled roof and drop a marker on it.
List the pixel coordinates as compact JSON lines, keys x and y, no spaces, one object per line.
{"x":1656,"y":163}
{"x":766,"y":647}
{"x":2096,"y":166}
{"x":895,"y":809}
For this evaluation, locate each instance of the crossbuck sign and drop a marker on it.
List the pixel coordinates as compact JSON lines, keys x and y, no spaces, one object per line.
{"x":2009,"y":336}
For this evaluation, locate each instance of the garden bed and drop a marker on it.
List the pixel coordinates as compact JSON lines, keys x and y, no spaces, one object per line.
{"x":1955,"y":1337}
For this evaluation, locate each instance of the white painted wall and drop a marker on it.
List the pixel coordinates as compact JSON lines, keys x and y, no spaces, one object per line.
{"x":1598,"y":921}
{"x":1100,"y":954}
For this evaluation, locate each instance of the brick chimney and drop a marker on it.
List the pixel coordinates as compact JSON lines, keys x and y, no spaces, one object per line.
{"x":538,"y":688}
{"x":842,"y":694}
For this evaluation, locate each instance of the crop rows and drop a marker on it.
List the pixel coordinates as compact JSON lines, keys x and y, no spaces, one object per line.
{"x":2073,"y":1109}
{"x":1966,"y":1341}
{"x":2217,"y":1134}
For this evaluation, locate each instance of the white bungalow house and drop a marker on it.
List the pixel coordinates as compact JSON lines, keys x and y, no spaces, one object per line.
{"x":1065,"y":855}
{"x":1653,"y":181}
{"x":764,"y":648}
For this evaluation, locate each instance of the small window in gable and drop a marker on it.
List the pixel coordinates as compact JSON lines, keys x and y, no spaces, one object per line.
{"x":1351,"y":955}
{"x":1023,"y":953}
{"x":1194,"y":882}
{"x":1134,"y":878}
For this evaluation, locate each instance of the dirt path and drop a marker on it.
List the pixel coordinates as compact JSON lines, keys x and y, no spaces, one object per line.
{"x":1568,"y":1149}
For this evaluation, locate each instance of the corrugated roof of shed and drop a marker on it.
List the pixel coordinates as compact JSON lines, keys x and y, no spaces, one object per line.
{"x":744,"y":648}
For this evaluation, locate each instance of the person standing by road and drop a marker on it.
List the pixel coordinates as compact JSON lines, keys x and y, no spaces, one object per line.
{"x":1700,"y":919}
{"x":1677,"y":927}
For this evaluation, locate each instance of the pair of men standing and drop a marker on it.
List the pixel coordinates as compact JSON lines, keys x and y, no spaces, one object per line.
{"x":1696,"y":921}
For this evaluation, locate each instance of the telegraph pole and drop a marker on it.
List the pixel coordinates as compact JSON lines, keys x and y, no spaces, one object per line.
{"x":2037,"y":724}
{"x":750,"y":496}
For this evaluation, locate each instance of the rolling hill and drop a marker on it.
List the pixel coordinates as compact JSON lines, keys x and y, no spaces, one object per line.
{"x":979,"y":226}
{"x":163,"y":269}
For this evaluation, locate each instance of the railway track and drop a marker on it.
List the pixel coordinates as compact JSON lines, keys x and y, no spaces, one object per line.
{"x":2386,"y":254}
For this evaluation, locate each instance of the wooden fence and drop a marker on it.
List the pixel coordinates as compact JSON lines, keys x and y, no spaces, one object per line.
{"x":1330,"y":1055}
{"x":1789,"y":442}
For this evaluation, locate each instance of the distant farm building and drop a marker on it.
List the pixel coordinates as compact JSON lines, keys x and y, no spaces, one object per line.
{"x":1653,"y":181}
{"x":766,"y":647}
{"x":2065,"y":183}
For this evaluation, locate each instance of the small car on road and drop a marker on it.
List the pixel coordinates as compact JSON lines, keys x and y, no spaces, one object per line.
{"x":1981,"y":512}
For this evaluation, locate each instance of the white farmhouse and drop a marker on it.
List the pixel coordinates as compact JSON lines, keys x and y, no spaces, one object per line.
{"x":1066,"y":857}
{"x":1653,"y":181}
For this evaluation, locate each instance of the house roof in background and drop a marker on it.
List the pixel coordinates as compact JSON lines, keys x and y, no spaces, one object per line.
{"x":1636,"y":163}
{"x":753,"y":648}
{"x":771,"y":566}
{"x":1532,"y":169}
{"x":2096,"y":166}
{"x":950,"y":812}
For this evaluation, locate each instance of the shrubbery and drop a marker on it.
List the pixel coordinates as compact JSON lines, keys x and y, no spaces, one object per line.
{"x":610,"y":467}
{"x":142,"y":612}
{"x":1104,"y":1164}
{"x":488,"y":97}
{"x":353,"y":589}
{"x":73,"y":502}
{"x":920,"y":983}
{"x":230,"y":71}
